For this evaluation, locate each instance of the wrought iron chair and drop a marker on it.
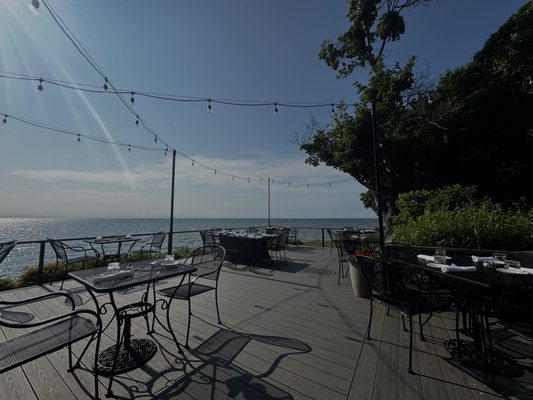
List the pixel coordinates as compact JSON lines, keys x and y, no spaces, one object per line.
{"x":152,"y":245}
{"x":49,"y":335}
{"x":278,"y":244}
{"x":208,"y":259}
{"x":5,"y":249}
{"x":63,"y":256}
{"x":392,"y":286}
{"x":293,"y":235}
{"x":343,"y":257}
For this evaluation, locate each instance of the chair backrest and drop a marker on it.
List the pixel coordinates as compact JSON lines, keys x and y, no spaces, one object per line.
{"x":330,"y":234}
{"x":341,"y":248}
{"x":400,"y":251}
{"x":157,"y":240}
{"x":5,"y":249}
{"x":59,"y":248}
{"x":381,"y":277}
{"x":208,"y":259}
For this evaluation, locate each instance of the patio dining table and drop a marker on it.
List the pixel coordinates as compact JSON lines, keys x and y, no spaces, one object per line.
{"x":246,"y":248}
{"x":477,"y":291}
{"x":128,"y":354}
{"x":100,"y":244}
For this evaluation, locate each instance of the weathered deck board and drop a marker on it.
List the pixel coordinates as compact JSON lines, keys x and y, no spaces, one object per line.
{"x":287,"y":333}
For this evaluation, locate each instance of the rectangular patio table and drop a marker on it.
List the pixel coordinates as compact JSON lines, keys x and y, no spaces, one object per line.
{"x":478,"y":289}
{"x":102,"y":242}
{"x":128,"y":354}
{"x":251,"y":249}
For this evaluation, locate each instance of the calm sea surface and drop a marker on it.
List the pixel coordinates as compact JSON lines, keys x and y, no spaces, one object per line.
{"x":28,"y":229}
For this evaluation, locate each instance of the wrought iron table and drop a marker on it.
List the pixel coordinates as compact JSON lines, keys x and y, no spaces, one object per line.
{"x":102,"y":242}
{"x":128,"y":353}
{"x":476,"y":291}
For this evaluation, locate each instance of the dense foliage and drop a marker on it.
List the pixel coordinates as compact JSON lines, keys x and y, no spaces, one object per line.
{"x":454,"y":217}
{"x":474,"y":128}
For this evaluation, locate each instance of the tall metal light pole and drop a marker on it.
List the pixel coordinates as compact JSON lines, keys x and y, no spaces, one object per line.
{"x":378,"y":177}
{"x":268,"y":201}
{"x":172,"y":203}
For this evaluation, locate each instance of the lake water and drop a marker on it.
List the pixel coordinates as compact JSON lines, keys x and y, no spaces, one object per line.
{"x":28,"y":229}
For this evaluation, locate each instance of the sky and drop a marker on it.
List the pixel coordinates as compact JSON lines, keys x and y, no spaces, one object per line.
{"x":239,"y":50}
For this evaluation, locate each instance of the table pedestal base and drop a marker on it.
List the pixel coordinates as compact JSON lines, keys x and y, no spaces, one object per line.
{"x":128,"y":358}
{"x":494,"y":362}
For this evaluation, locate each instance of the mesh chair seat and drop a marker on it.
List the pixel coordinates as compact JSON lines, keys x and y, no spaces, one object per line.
{"x":74,"y":260}
{"x":34,"y":344}
{"x":183,"y":292}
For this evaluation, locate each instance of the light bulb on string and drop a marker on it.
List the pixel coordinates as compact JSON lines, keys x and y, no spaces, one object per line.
{"x":155,"y":138}
{"x":105,"y":84}
{"x":209,"y":106}
{"x":40,"y":86}
{"x":232,"y":178}
{"x":248,"y":180}
{"x":132,"y":99}
{"x":5,"y":119}
{"x":166,"y":149}
{"x":79,"y":139}
{"x":34,"y":4}
{"x":276,"y":108}
{"x":192,"y":163}
{"x":137,"y":120}
{"x":215,"y":171}
{"x":129,"y":147}
{"x":332,"y":109}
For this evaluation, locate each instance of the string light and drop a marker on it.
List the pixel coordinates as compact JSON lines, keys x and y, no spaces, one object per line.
{"x":276,"y":108}
{"x":215,"y":171}
{"x":192,"y":163}
{"x":129,"y":147}
{"x":132,"y":99}
{"x":209,"y":106}
{"x":79,"y":139}
{"x":166,"y":149}
{"x":5,"y":119}
{"x":40,"y":86}
{"x":155,"y":138}
{"x":233,"y":178}
{"x":86,"y":87}
{"x":105,"y":85}
{"x":248,"y":180}
{"x":137,"y":120}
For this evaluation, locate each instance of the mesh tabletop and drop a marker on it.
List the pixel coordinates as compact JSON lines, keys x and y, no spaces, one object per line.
{"x":143,"y":273}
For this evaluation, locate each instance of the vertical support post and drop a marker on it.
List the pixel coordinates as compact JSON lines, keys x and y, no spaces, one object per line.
{"x":40,"y":269}
{"x":268,"y":201}
{"x":378,"y":177}
{"x":172,"y":203}
{"x":323,"y":243}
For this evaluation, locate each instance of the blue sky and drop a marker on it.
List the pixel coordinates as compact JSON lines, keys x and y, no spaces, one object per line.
{"x":250,"y":50}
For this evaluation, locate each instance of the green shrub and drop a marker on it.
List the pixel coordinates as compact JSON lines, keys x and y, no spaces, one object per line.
{"x":478,"y":225}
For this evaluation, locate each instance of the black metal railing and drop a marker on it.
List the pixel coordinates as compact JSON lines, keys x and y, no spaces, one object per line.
{"x":321,"y":237}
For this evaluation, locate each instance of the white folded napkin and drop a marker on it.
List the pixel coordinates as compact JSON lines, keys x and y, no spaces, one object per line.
{"x":478,"y":259}
{"x":112,"y":276}
{"x":458,"y":268}
{"x":529,"y":270}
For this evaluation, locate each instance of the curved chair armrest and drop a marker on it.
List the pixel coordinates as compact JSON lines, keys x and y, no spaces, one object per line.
{"x":53,"y":319}
{"x":43,"y":296}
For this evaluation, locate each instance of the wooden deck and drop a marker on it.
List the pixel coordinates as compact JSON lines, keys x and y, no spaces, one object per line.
{"x":288,"y":333}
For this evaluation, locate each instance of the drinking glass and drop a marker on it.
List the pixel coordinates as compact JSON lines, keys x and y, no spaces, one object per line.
{"x":499,"y":258}
{"x":440,"y":256}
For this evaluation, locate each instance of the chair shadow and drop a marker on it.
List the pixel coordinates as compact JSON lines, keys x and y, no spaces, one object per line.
{"x":210,"y":372}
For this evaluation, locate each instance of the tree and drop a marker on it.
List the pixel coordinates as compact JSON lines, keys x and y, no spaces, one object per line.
{"x":346,"y":144}
{"x":474,"y":128}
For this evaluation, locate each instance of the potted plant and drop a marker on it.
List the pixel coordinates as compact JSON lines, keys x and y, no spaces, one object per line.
{"x":357,"y":277}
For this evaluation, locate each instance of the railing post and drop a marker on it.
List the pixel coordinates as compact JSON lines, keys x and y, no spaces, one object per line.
{"x":40,"y":269}
{"x":323,"y":244}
